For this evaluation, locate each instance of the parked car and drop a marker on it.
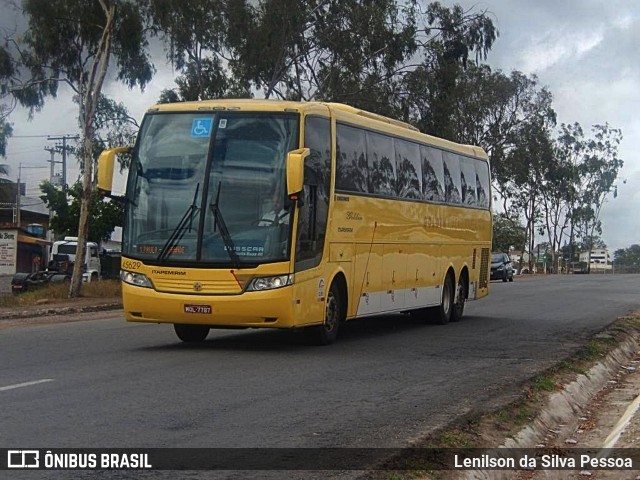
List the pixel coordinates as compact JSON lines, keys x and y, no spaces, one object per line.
{"x":501,"y":268}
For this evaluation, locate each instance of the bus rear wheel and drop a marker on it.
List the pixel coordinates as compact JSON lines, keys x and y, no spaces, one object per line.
{"x":191,"y":333}
{"x":444,"y":311}
{"x":459,"y":301}
{"x":327,"y":333}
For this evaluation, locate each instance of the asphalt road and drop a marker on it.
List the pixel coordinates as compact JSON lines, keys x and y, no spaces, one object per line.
{"x":387,"y":380}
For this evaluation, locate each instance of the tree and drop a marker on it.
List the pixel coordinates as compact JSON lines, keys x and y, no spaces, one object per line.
{"x":305,"y":50}
{"x":17,"y":86}
{"x":594,"y":165}
{"x":6,"y":72}
{"x":104,"y":215}
{"x":628,"y":256}
{"x":530,"y":159}
{"x":194,"y":33}
{"x":6,"y":130}
{"x":508,"y":233}
{"x":7,"y":103}
{"x":555,"y":201}
{"x":114,"y":127}
{"x":448,"y":39}
{"x":73,"y":42}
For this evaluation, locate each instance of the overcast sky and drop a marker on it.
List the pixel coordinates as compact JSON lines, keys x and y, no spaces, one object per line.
{"x":585,"y":51}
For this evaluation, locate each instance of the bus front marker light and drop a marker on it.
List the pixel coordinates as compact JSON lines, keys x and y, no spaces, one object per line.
{"x":270,"y":283}
{"x":137,"y":279}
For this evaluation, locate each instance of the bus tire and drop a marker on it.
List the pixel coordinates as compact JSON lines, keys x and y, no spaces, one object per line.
{"x":327,"y":333}
{"x":458,"y":304}
{"x":444,"y":311}
{"x":191,"y":333}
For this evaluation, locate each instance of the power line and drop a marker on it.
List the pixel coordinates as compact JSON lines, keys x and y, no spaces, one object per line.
{"x":46,"y":136}
{"x":29,"y":136}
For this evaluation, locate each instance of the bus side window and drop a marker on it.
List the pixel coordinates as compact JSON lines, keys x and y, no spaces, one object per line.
{"x":312,"y":217}
{"x":432,"y":174}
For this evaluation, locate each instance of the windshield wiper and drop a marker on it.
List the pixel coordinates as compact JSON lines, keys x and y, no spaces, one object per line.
{"x":185,"y":224}
{"x":224,"y":231}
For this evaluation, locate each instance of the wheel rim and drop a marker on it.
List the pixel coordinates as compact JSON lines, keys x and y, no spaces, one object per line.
{"x":446,"y":298}
{"x":460,"y":295}
{"x":332,"y":314}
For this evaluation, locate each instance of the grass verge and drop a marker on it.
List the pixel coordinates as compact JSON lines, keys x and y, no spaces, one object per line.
{"x":59,"y":293}
{"x":492,"y":429}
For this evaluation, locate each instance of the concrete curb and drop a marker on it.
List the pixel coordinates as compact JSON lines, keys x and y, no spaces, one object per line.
{"x":563,"y":408}
{"x":53,"y":310}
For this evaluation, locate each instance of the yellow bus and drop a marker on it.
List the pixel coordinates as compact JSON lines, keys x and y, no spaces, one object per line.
{"x":296,"y":215}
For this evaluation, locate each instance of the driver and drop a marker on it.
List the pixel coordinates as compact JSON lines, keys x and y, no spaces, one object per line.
{"x":277,"y":215}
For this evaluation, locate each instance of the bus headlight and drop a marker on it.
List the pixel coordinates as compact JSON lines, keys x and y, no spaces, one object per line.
{"x":136,"y":279}
{"x":269,"y":283}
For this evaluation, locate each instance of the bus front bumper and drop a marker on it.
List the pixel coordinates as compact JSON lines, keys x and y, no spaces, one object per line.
{"x":264,"y":309}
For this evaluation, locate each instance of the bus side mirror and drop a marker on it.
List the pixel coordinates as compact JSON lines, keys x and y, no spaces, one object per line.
{"x":295,"y":170}
{"x":106,"y":163}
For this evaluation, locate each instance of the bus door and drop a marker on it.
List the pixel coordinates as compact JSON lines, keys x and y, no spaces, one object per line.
{"x":311,"y":278}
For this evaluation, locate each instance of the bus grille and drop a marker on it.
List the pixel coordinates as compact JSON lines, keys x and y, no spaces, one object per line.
{"x":484,"y":268}
{"x":201,"y":287}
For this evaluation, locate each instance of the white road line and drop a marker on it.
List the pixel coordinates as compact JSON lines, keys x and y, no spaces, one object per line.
{"x":622,"y":423}
{"x":25,"y":384}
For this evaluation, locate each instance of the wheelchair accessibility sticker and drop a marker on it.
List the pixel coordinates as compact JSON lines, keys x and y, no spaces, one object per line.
{"x":201,"y":127}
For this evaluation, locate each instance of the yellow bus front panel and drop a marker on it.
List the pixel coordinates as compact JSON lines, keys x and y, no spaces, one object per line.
{"x":270,"y":308}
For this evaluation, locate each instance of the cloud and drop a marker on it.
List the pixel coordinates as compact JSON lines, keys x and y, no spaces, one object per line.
{"x":619,"y":227}
{"x":554,"y":48}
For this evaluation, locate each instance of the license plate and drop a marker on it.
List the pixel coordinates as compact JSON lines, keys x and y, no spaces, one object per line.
{"x":198,"y":309}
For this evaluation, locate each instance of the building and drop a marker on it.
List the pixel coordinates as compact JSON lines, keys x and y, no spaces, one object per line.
{"x":600,"y":259}
{"x":23,"y":225}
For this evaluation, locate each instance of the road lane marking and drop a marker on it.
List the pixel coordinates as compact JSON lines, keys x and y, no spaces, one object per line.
{"x":25,"y":384}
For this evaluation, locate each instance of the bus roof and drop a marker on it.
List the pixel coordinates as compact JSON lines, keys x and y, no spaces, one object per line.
{"x":368,"y":119}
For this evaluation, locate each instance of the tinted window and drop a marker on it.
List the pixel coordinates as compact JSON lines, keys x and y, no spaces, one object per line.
{"x":381,"y":156}
{"x":407,"y":169}
{"x":483,"y":186}
{"x":468,"y":181}
{"x":352,"y":170}
{"x":452,"y":179}
{"x":371,"y":162}
{"x":67,"y":249}
{"x":432,"y":174}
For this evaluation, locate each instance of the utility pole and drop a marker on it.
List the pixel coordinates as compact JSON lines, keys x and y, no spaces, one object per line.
{"x":52,"y":151}
{"x":63,"y":150}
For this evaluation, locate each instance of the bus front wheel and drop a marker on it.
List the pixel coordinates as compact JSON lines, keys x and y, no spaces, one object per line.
{"x":191,"y":333}
{"x":327,"y":333}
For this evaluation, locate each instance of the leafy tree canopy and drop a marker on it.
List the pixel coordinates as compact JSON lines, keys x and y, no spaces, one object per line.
{"x":508,"y":233}
{"x":628,"y":256}
{"x":352,"y":51}
{"x":76,"y":42}
{"x":104,"y":215}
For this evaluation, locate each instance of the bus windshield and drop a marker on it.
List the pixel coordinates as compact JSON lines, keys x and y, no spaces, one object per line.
{"x":210,"y":188}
